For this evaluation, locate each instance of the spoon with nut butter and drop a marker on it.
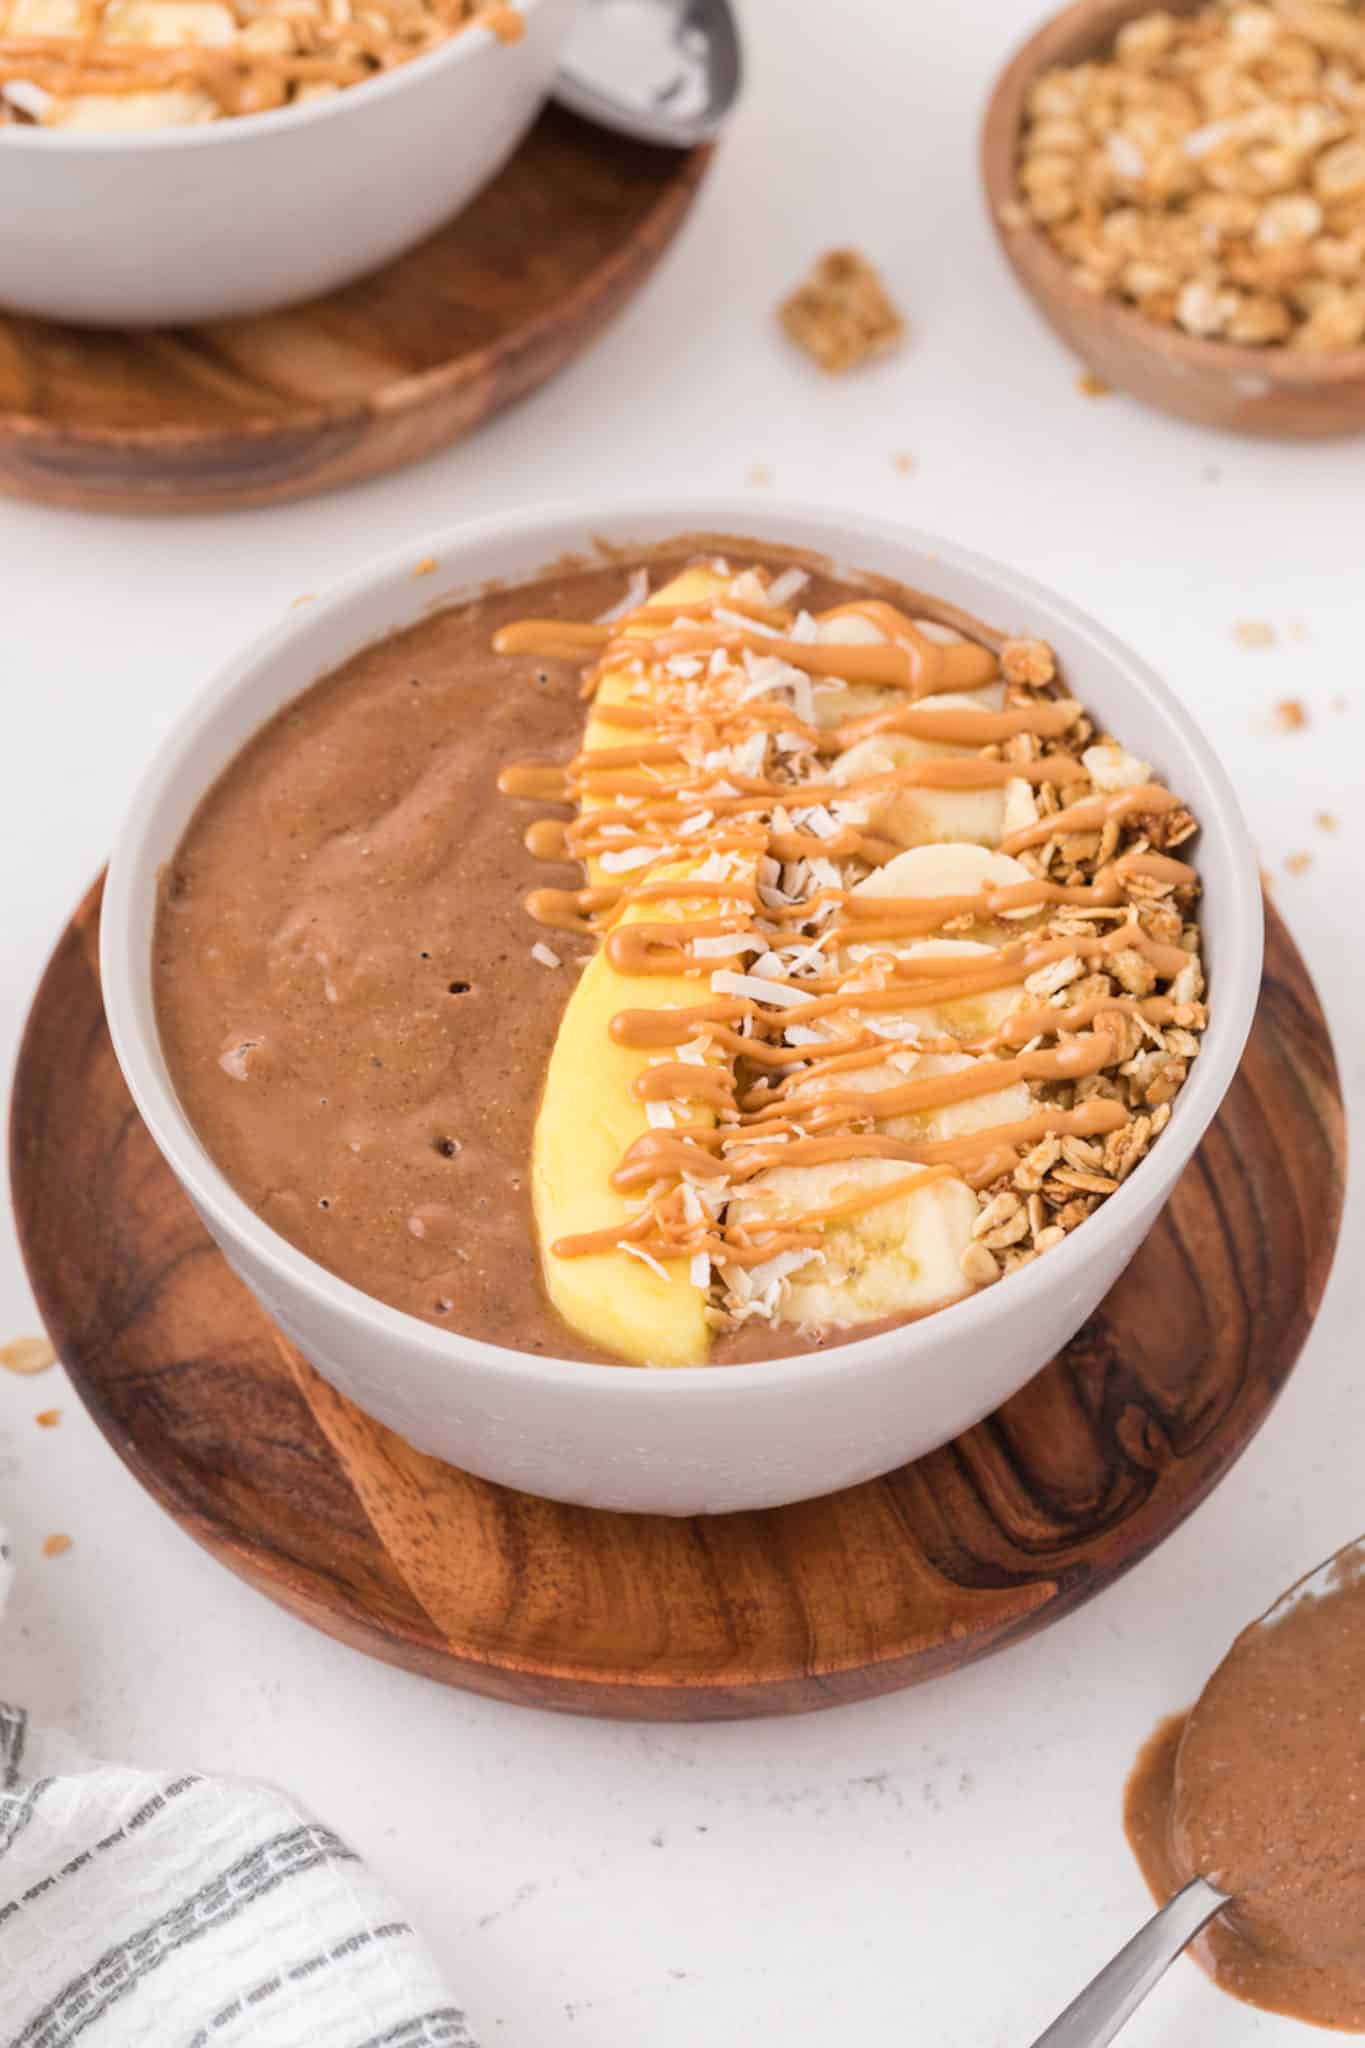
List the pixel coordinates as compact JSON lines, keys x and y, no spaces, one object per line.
{"x":1247,"y":1816}
{"x":665,"y":71}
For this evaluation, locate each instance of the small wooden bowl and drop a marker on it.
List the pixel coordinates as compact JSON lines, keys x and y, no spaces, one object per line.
{"x":1271,"y":391}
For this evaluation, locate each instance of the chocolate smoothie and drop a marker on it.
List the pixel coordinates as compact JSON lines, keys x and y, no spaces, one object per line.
{"x":1260,"y":1788}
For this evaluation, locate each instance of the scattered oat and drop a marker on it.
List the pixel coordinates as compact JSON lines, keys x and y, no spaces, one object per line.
{"x":309,"y":597}
{"x":56,"y":1545}
{"x":27,"y":1355}
{"x":1290,"y":715}
{"x":760,"y":474}
{"x":1326,"y":821}
{"x":425,"y":567}
{"x":48,"y":1418}
{"x":1297,"y":630}
{"x":1298,"y":863}
{"x":1253,"y":633}
{"x":979,"y":1265}
{"x":903,"y":464}
{"x":546,"y":955}
{"x":842,"y":315}
{"x":1209,"y":170}
{"x":1091,"y":386}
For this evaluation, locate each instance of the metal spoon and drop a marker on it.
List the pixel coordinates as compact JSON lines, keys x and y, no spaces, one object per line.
{"x":1111,"y":1999}
{"x":663,"y":71}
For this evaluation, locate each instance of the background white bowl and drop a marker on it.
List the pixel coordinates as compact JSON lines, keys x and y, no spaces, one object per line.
{"x":242,"y":215}
{"x":700,"y":1440}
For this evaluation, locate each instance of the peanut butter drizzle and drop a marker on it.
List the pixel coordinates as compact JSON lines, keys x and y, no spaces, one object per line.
{"x":1048,"y":719}
{"x":661,"y":1153}
{"x":800,"y":1111}
{"x":535,"y":778}
{"x":239,"y":78}
{"x":778,"y":1235}
{"x":1092,"y":814}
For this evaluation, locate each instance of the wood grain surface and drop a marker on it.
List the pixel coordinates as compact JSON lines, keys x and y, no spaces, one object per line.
{"x":1279,"y":392}
{"x":382,"y":373}
{"x":840,"y":1599}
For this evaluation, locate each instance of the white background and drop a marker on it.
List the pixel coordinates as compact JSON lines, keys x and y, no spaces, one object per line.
{"x":941,"y":1867}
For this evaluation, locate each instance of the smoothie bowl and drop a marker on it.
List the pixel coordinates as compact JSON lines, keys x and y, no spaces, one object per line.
{"x":683,"y":1021}
{"x":173,"y":161}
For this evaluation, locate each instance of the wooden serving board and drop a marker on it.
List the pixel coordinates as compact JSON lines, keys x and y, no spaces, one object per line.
{"x":640,"y":1617}
{"x":392,"y":368}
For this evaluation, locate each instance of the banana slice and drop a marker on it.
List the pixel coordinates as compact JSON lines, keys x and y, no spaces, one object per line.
{"x":967,"y":1017}
{"x":918,"y":817}
{"x":950,"y":1120}
{"x":889,"y":1260}
{"x":952,"y":870}
{"x":837,"y":702}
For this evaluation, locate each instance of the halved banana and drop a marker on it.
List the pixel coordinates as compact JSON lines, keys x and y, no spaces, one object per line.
{"x":653,"y":1314}
{"x":589,"y":1118}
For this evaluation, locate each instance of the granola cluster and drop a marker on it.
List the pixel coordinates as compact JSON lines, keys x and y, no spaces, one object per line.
{"x":1211,"y":171}
{"x":842,"y":314}
{"x":1062,"y":1180}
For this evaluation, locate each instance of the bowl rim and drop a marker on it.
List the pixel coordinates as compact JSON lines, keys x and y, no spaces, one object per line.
{"x":1001,"y":126}
{"x":804,"y":525}
{"x":461,"y":47}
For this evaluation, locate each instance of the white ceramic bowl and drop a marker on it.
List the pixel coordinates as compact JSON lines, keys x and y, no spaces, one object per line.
{"x":701,"y":1439}
{"x":238,"y":216}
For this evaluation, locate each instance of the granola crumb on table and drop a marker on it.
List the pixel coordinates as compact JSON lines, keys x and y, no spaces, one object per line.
{"x":1254,"y":633}
{"x":842,"y":314}
{"x":1210,"y":171}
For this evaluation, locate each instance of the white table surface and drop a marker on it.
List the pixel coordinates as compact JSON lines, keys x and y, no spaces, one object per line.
{"x":945,"y":1866}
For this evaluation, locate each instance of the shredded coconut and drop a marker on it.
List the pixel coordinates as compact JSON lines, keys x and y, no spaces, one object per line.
{"x":623,"y":1244}
{"x":633,"y":596}
{"x":725,"y":982}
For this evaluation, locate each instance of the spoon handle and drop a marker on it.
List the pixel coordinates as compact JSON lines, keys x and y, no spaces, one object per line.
{"x":1110,"y":1999}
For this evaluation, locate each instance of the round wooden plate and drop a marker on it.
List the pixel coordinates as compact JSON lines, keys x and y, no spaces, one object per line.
{"x":838,"y":1599}
{"x":252,"y":412}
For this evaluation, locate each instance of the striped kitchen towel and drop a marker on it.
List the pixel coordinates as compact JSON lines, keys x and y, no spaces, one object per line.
{"x":142,"y":1910}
